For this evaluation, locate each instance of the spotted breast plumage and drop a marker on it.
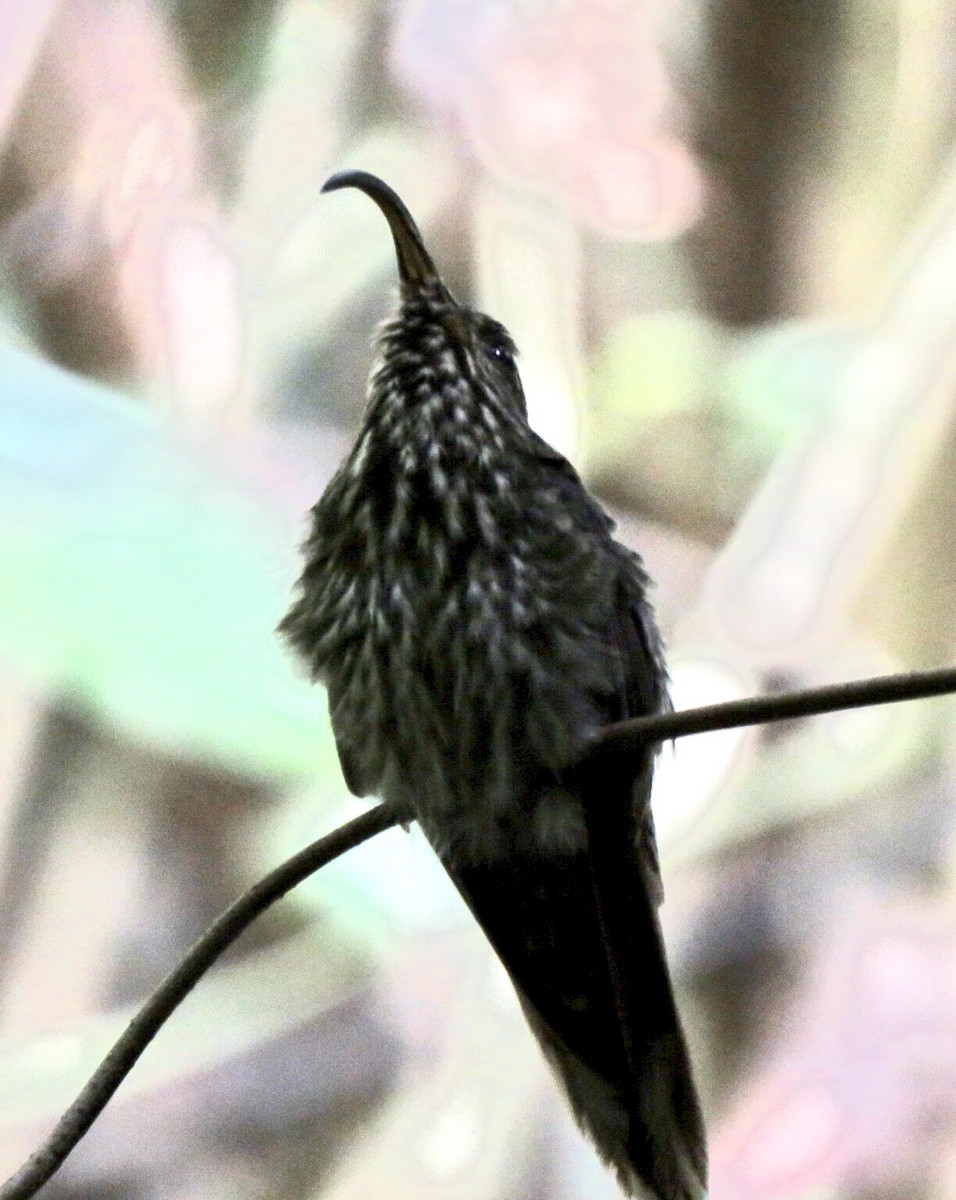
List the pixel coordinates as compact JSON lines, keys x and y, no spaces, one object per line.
{"x":475,"y":623}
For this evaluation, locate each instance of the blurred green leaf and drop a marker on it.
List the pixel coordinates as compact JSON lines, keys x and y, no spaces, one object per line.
{"x":689,"y":415}
{"x":657,"y":364}
{"x":772,"y":384}
{"x":141,"y":580}
{"x":779,"y":382}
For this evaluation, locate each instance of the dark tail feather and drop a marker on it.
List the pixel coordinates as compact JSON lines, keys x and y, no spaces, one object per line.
{"x":665,"y":1145}
{"x":579,"y":934}
{"x":645,"y":1121}
{"x":651,"y":1140}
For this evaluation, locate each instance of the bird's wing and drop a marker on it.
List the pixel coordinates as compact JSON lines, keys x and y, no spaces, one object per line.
{"x":361,"y":765}
{"x":579,"y":934}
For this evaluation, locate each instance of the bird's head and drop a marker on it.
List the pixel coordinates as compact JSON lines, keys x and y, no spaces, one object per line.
{"x":435,"y":343}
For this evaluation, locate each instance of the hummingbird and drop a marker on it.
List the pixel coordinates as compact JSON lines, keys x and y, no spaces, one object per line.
{"x":476,"y":624}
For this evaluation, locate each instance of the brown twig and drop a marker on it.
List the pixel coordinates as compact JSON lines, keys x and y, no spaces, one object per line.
{"x":176,"y":986}
{"x":628,"y":737}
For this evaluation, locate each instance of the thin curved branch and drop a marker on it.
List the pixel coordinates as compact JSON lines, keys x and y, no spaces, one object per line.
{"x":175,"y":987}
{"x":630,"y":737}
{"x":627,"y":737}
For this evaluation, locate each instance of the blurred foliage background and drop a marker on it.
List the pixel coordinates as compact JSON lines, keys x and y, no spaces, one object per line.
{"x":724,"y":237}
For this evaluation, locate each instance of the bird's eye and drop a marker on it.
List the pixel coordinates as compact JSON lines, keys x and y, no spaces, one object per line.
{"x":501,"y":354}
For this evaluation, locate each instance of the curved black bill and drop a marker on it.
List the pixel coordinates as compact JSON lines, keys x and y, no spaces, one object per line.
{"x":415,"y":267}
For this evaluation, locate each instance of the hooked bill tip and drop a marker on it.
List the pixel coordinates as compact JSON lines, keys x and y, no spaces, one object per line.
{"x":364,"y":180}
{"x":415,"y":266}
